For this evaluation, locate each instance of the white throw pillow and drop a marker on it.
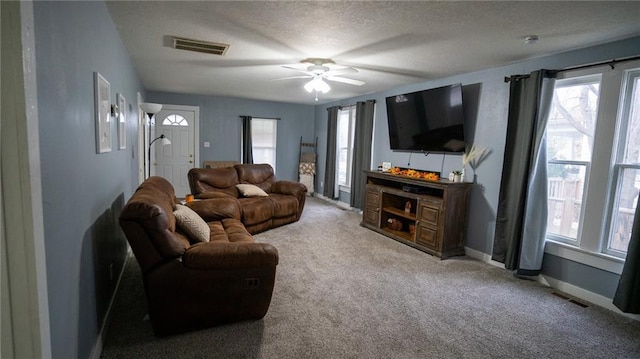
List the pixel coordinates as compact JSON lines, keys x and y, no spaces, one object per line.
{"x":249,"y":190}
{"x":192,"y":224}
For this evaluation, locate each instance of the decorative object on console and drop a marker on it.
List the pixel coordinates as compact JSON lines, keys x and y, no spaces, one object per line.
{"x":427,"y":175}
{"x":394,"y":224}
{"x":457,"y":176}
{"x":473,"y":156}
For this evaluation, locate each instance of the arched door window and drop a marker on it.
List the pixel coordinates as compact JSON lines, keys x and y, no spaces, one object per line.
{"x":175,"y":120}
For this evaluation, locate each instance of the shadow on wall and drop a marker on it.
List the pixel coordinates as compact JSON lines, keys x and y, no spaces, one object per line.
{"x":471,"y":99}
{"x":482,"y":218}
{"x":104,"y":251}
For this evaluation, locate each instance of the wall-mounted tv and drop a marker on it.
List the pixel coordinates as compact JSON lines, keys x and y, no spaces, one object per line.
{"x":427,"y":121}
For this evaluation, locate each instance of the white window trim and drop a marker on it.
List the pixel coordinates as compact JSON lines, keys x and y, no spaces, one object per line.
{"x":593,"y":259}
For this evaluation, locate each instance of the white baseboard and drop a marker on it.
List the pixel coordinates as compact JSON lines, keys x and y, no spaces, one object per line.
{"x":481,"y":256}
{"x":96,"y":351}
{"x":337,"y":203}
{"x":564,"y":287}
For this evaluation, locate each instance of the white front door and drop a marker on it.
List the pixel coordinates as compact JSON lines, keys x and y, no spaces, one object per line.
{"x":180,"y":125}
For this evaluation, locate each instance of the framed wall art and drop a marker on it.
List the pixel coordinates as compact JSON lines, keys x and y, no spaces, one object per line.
{"x":102,"y":90}
{"x":122,"y":121}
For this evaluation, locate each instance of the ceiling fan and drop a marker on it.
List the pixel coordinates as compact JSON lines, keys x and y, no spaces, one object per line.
{"x":319,"y":70}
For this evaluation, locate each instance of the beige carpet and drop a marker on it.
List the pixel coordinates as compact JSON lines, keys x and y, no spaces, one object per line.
{"x":343,"y":291}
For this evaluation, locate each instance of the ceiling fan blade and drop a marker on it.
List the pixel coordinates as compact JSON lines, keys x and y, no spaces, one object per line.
{"x":345,"y":80}
{"x":341,"y":71}
{"x":298,"y":69}
{"x":294,"y":77}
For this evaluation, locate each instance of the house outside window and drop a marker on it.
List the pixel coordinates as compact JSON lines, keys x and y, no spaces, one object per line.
{"x":263,"y":136}
{"x":346,"y":129}
{"x":593,"y":151}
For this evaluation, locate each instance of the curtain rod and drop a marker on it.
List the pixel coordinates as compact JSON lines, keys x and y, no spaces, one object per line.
{"x":258,"y":117}
{"x":611,"y":64}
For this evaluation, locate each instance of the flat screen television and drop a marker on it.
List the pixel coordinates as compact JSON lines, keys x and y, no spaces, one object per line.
{"x":427,"y":121}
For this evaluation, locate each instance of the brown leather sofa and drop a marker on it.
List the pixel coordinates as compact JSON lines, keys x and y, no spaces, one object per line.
{"x":190,"y":284}
{"x":283,"y":205}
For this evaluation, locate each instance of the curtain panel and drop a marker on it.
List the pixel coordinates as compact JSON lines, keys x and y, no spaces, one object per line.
{"x":329,"y":190}
{"x":627,"y":296}
{"x":522,"y":205}
{"x":361,"y":150}
{"x":247,"y":142}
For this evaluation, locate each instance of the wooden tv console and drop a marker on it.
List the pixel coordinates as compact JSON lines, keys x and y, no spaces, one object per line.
{"x":432,"y":214}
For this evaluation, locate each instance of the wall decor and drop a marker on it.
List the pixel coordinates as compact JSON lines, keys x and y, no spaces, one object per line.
{"x":102,"y":90}
{"x":122,"y":121}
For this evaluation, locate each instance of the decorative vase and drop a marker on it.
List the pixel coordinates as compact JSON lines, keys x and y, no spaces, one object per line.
{"x":457,"y":178}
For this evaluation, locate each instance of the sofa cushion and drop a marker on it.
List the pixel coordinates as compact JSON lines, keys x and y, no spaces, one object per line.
{"x":250,"y":190}
{"x":260,"y":174}
{"x":192,"y":224}
{"x":213,"y":180}
{"x":229,"y":230}
{"x":284,"y":205}
{"x":256,"y":210}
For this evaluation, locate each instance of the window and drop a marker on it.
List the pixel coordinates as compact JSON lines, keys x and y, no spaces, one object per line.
{"x":346,"y":129}
{"x":593,"y":158}
{"x":263,"y":136}
{"x":570,"y":133}
{"x":626,"y":167}
{"x":175,"y":120}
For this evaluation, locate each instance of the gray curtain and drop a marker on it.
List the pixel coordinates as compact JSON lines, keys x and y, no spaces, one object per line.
{"x":329,"y":190}
{"x":627,"y":296}
{"x":521,"y":220}
{"x":247,"y":143}
{"x":361,"y":150}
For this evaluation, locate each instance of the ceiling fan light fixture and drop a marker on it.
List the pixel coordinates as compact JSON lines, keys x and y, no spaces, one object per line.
{"x":318,"y":85}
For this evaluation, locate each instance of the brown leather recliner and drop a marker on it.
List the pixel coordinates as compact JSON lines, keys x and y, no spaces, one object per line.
{"x":283,"y":205}
{"x":191,"y":285}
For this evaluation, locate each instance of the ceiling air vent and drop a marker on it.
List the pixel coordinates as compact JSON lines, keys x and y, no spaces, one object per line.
{"x":199,"y":46}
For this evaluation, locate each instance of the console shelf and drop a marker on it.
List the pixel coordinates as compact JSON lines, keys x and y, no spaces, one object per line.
{"x":428,"y":215}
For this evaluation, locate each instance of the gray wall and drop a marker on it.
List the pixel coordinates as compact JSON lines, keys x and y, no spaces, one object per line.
{"x":221,"y":126}
{"x":486,"y":97}
{"x":82,"y":191}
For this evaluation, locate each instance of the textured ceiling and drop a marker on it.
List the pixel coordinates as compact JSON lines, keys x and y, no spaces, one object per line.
{"x":389,"y":43}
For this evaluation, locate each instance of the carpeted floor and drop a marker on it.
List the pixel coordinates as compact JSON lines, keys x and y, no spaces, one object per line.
{"x":343,"y":291}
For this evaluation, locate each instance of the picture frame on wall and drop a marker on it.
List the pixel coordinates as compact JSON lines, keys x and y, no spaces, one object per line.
{"x":102,"y":103}
{"x":122,"y":121}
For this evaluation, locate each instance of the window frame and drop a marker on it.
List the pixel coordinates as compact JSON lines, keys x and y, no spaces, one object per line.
{"x":618,"y":164}
{"x":351,"y":113}
{"x":598,"y":196}
{"x":568,"y":81}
